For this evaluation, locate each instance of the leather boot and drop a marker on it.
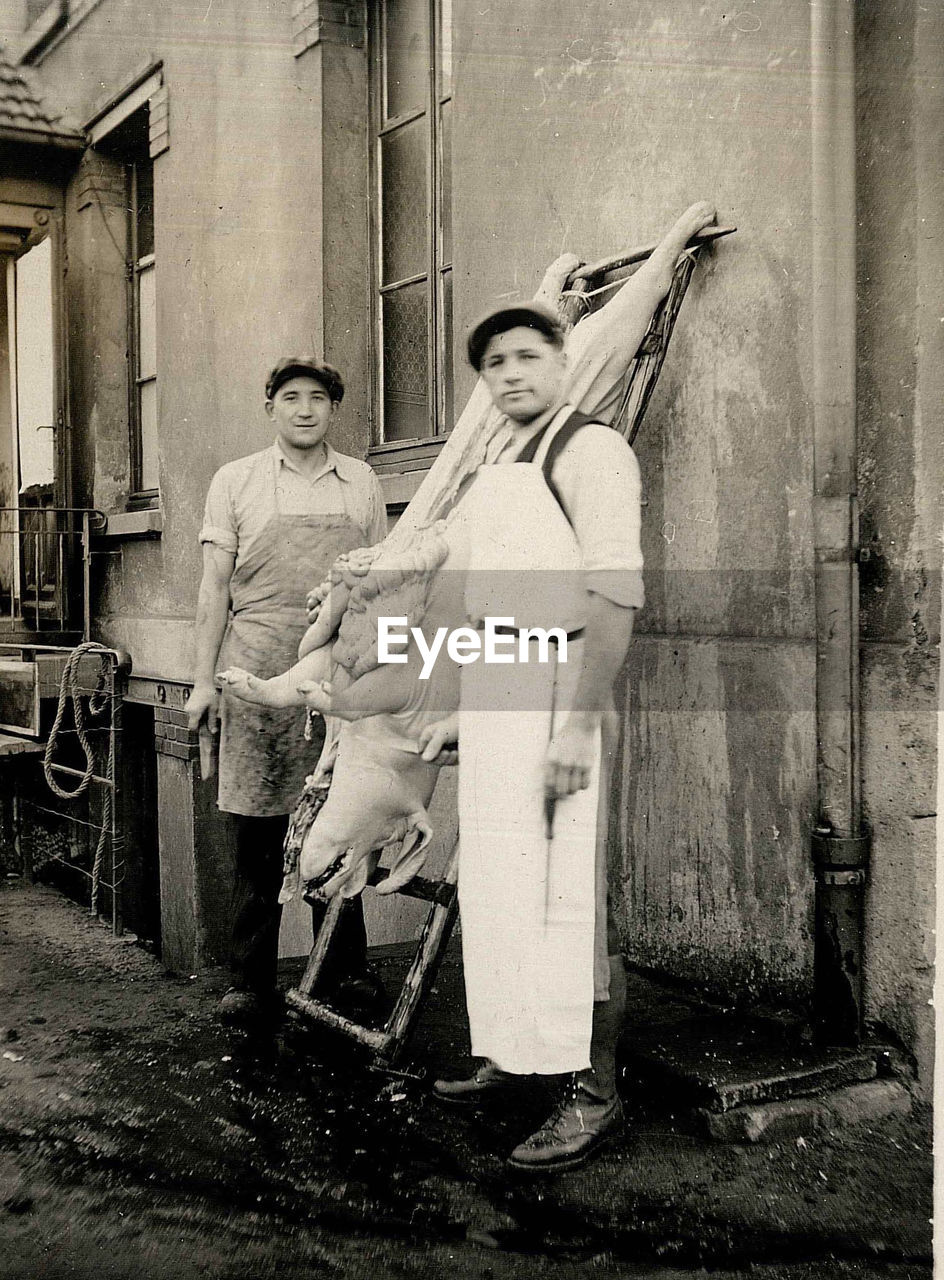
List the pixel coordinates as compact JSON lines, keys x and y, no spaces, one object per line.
{"x":488,"y":1081}
{"x":576,"y":1129}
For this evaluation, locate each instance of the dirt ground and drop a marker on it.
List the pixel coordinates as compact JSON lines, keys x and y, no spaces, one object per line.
{"x":139,"y":1138}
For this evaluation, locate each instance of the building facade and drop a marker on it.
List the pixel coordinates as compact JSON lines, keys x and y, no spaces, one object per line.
{"x":237,"y":181}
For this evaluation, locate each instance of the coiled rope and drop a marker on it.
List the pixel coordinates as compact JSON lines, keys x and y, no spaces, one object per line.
{"x":98,"y":701}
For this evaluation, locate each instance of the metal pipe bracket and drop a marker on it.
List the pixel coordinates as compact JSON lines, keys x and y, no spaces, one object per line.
{"x":832,"y":852}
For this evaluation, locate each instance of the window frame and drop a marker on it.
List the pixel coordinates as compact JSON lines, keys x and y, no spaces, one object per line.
{"x":137,"y":266}
{"x":143,"y":94}
{"x":436,"y":270}
{"x":41,"y":30}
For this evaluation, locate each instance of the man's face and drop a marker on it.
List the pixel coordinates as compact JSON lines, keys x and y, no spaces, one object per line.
{"x":524,"y":373}
{"x":302,"y":411}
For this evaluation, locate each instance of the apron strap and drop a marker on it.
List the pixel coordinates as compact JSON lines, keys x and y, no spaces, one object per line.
{"x":559,"y":441}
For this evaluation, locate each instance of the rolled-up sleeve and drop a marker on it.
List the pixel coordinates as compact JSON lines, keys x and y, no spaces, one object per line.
{"x":219,"y":519}
{"x":599,"y":480}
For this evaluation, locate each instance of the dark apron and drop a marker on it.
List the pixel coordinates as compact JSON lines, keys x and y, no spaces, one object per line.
{"x":264,"y":758}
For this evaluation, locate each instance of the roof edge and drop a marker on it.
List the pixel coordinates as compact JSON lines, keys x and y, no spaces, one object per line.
{"x":62,"y":140}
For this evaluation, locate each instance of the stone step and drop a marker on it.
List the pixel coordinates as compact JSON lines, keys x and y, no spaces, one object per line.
{"x":721,"y":1061}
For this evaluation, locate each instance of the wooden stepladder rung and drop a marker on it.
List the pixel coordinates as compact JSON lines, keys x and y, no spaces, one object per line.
{"x":388,"y":1042}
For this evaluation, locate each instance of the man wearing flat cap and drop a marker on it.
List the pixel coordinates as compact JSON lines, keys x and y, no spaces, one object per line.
{"x":553,"y":527}
{"x":545,"y":986}
{"x":275,"y":522}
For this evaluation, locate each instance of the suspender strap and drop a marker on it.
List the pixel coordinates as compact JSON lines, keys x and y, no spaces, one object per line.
{"x":530,"y":449}
{"x":555,"y":448}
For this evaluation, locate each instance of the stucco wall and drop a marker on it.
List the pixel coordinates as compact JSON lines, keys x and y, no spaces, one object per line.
{"x":588,"y":129}
{"x":239,"y":277}
{"x":602,"y":123}
{"x":900,"y":46}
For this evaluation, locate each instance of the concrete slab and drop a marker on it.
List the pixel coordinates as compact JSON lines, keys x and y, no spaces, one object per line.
{"x":685,"y":1054}
{"x":720,"y":1061}
{"x":798,"y":1118}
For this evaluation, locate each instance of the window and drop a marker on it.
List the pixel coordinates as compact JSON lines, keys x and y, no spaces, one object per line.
{"x":42,"y":22}
{"x":33,"y":372}
{"x":411,"y":71}
{"x":128,"y":141}
{"x":35,"y":539}
{"x":142,"y":343}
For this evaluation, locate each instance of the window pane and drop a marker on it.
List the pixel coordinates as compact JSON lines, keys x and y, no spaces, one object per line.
{"x":445,"y":181}
{"x":144,"y":209}
{"x":407,"y":55}
{"x":147,"y":336}
{"x":147,"y":419}
{"x":447,"y":398}
{"x":445,"y":47}
{"x":404,"y":202}
{"x":35,"y":366}
{"x":406,"y":363}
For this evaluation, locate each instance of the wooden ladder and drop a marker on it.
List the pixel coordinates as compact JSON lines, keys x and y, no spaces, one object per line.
{"x":387,"y":1042}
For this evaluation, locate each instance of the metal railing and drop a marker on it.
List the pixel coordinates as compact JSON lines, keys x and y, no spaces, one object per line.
{"x":45,"y":559}
{"x":74,"y":818}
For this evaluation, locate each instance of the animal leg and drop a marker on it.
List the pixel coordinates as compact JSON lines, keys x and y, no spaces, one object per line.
{"x":330,"y":612}
{"x":411,"y":855}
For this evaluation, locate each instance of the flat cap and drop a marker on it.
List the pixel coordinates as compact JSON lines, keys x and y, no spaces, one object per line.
{"x":306,"y":367}
{"x":530,"y":315}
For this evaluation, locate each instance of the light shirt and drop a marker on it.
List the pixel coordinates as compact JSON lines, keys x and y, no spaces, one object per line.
{"x":599,"y":481}
{"x":246,"y":494}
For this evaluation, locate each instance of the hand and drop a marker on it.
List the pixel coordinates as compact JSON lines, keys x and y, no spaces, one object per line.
{"x":349,"y":567}
{"x":203,"y":707}
{"x":317,"y":695}
{"x":439,"y":742}
{"x":313,"y":602}
{"x":570,"y":758}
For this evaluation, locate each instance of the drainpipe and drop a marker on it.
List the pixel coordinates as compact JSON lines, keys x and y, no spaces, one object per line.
{"x":839,"y":844}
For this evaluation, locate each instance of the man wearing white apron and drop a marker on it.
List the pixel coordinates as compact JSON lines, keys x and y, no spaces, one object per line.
{"x":275,"y":522}
{"x":554,"y":536}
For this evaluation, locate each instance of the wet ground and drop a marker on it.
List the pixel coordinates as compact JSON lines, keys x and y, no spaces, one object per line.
{"x":139,"y":1138}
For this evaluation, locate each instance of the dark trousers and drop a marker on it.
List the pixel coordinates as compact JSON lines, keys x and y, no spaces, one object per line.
{"x":256,"y":913}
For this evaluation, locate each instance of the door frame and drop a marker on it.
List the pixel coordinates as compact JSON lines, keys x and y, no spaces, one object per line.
{"x":31,"y":222}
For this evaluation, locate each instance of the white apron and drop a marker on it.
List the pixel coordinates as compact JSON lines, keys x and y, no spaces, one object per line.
{"x":526,"y":902}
